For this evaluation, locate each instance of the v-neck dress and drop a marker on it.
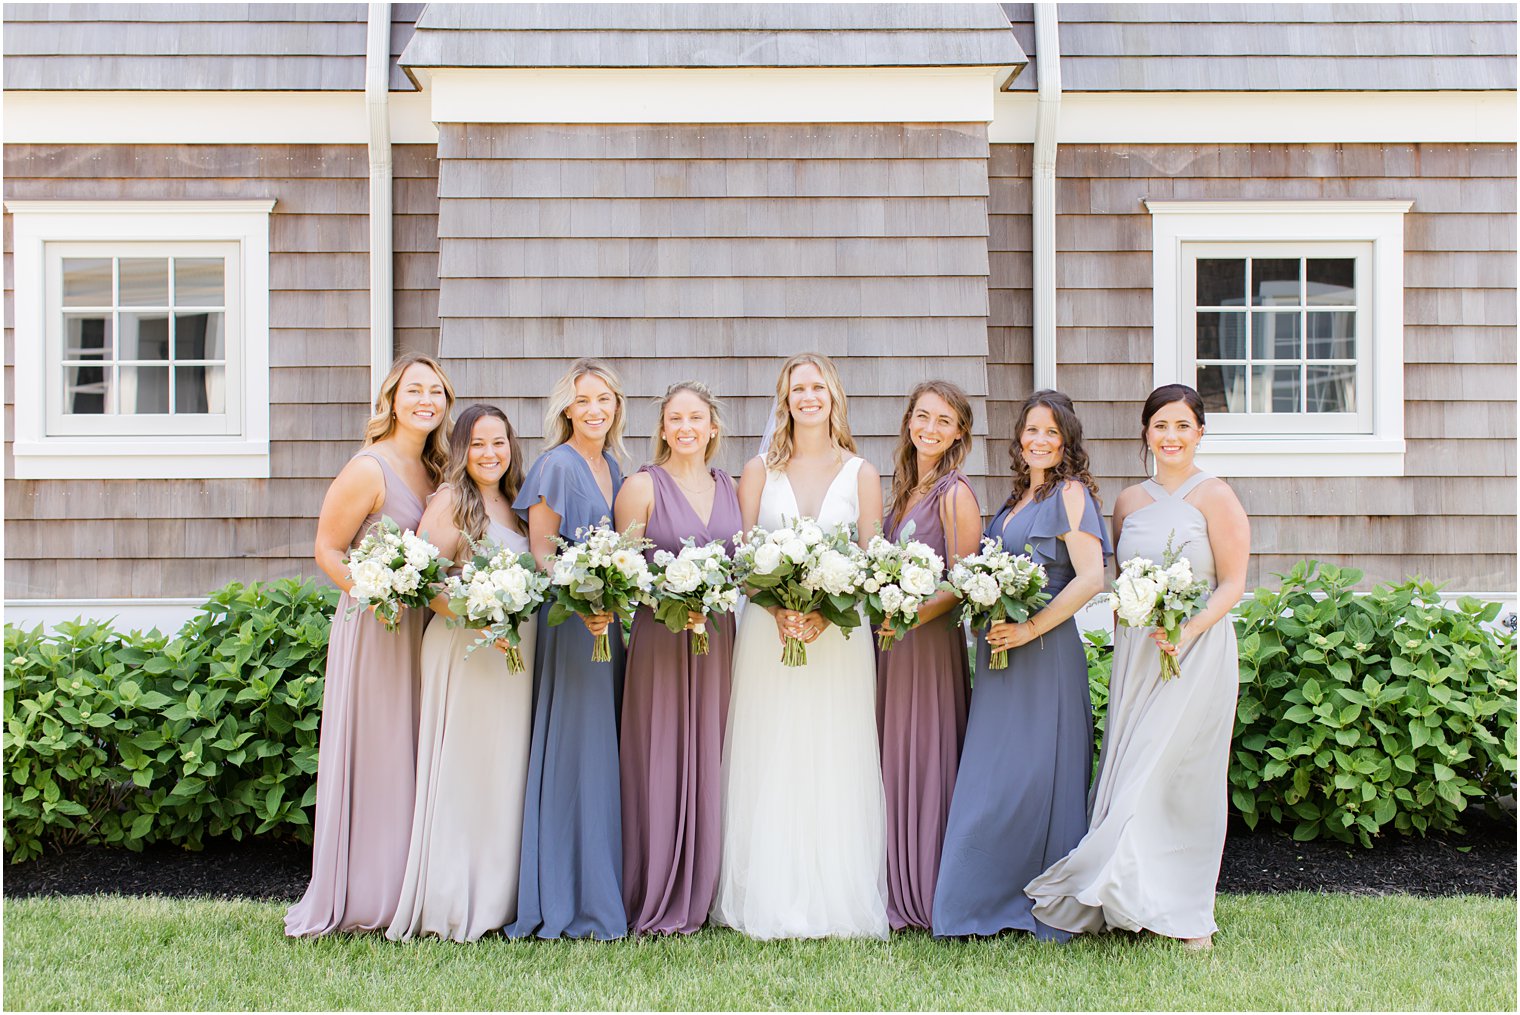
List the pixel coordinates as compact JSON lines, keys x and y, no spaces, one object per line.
{"x":1020,"y":798}
{"x":675,"y":707}
{"x":366,"y":756}
{"x":570,"y":881}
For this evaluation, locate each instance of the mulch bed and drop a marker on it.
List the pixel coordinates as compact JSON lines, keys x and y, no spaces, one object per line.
{"x":1481,"y":862}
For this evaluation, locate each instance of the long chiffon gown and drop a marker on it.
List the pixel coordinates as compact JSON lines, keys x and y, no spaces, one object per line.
{"x":1021,"y":793}
{"x":923,"y":684}
{"x":1151,"y":858}
{"x":472,"y":765}
{"x":675,"y":707}
{"x":804,"y":824}
{"x":366,"y":755}
{"x":570,"y":880}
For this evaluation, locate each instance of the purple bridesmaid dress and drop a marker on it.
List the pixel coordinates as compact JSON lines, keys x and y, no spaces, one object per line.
{"x":675,"y":709}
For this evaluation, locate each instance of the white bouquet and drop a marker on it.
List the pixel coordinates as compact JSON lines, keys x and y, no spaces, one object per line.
{"x":997,"y":586}
{"x":1151,"y":595}
{"x":901,"y":576}
{"x":494,"y":593}
{"x":391,"y":569}
{"x":604,"y":571}
{"x":800,"y":567}
{"x":699,"y":579}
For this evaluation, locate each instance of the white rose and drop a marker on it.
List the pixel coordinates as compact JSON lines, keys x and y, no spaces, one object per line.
{"x":1137,"y":598}
{"x":810,"y":533}
{"x":872,"y":585}
{"x":406,"y":580}
{"x":682,"y":576}
{"x":917,"y":580}
{"x":663,"y":557}
{"x":795,"y":549}
{"x":835,"y":573}
{"x":767,"y":558}
{"x":891,"y":598}
{"x":982,"y":590}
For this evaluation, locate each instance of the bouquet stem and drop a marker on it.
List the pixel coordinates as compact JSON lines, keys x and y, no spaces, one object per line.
{"x":601,"y":649}
{"x":1170,"y":665}
{"x":998,"y":660}
{"x":793,"y":652}
{"x":514,"y":660}
{"x":699,"y":645}
{"x":885,"y":641}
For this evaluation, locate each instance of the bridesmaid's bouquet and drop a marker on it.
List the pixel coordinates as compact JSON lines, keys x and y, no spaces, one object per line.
{"x":604,"y":571}
{"x":997,"y":586}
{"x":699,"y":579}
{"x":494,"y":593}
{"x":902,"y":575}
{"x":1151,"y":595}
{"x":392,"y":568}
{"x":800,"y":567}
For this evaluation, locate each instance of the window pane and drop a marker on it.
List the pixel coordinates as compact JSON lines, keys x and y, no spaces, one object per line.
{"x":1221,"y":282}
{"x":144,"y":281}
{"x":1221,"y":336}
{"x":145,"y":389}
{"x":1331,"y":389}
{"x":198,"y":281}
{"x":1223,"y":388}
{"x":86,"y":336}
{"x":1274,"y":282}
{"x":1274,"y":389}
{"x":199,"y":336}
{"x":1275,"y":336}
{"x":200,"y":389}
{"x":87,"y":390}
{"x":87,"y":281}
{"x":144,"y":336}
{"x":1332,"y":281}
{"x":1332,"y":335}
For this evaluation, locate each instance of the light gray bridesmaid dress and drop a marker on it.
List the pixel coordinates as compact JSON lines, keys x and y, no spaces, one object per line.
{"x":1150,"y":858}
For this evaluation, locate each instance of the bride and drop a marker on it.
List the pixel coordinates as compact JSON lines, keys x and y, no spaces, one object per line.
{"x":804,"y":826}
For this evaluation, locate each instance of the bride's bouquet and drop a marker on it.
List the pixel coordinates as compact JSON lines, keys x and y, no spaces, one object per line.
{"x":392,"y":568}
{"x":604,"y":571}
{"x":800,"y":567}
{"x":494,"y":593}
{"x":902,"y":575}
{"x":1151,"y":595}
{"x":997,"y":586}
{"x":699,"y":579}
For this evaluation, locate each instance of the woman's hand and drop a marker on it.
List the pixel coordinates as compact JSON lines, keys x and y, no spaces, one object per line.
{"x":888,"y":631}
{"x":1184,"y":639}
{"x":694,"y":619}
{"x":597,"y":623}
{"x":1004,"y":635}
{"x":805,"y":627}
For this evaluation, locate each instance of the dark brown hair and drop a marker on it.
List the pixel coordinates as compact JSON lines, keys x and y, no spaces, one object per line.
{"x":469,"y":507}
{"x":1073,"y":464}
{"x":905,"y":478}
{"x":1156,"y":400}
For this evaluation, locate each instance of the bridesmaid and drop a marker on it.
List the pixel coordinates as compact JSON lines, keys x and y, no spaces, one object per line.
{"x":1021,"y":795}
{"x":923,"y":681}
{"x":570,"y":882}
{"x":366,"y":762}
{"x":472,"y":753}
{"x":1151,"y":859}
{"x":675,"y":704}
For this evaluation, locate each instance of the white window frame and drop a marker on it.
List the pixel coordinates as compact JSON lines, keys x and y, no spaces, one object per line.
{"x":45,"y":231}
{"x":1236,"y":447}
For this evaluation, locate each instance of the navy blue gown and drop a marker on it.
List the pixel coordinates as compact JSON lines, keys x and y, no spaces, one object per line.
{"x":1020,"y":801}
{"x":570,"y":883}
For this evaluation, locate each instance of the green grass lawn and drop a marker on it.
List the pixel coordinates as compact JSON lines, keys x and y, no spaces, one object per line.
{"x":1297,"y":951}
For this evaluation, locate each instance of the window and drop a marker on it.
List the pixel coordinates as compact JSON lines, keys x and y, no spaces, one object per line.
{"x":141,"y":339}
{"x":1288,"y":319}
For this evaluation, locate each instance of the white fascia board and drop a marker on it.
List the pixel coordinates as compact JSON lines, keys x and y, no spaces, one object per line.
{"x":236,"y":458}
{"x":209,"y":118}
{"x":1265,"y":117}
{"x":713,"y":95}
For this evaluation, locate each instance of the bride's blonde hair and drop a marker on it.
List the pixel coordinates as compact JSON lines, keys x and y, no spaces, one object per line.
{"x":780,"y":451}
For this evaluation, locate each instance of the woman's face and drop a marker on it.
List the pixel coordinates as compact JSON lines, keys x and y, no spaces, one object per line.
{"x":933,"y":426}
{"x":1173,"y":434}
{"x":687,"y":426}
{"x":807,"y":396}
{"x":490,"y":452}
{"x":1040,"y":439}
{"x":420,"y":400}
{"x":593,"y":409}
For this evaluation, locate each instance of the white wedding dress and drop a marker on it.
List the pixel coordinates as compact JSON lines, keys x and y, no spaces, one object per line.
{"x":804,"y":815}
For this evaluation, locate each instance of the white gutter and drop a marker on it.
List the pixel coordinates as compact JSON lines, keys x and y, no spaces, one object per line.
{"x":377,"y":91}
{"x":1047,"y":55}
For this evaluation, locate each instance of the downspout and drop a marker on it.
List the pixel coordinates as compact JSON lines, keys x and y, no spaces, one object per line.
{"x":1047,"y":55}
{"x":377,"y":92}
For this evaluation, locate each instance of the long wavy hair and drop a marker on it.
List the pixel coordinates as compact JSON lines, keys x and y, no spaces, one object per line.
{"x":1163,"y":396}
{"x":469,"y":507}
{"x":435,"y":450}
{"x":905,"y":477}
{"x":714,"y":410}
{"x":1073,"y":464}
{"x":780,"y":451}
{"x":557,"y":427}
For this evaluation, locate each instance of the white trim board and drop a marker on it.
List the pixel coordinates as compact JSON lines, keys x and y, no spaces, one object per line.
{"x":1264,"y":117}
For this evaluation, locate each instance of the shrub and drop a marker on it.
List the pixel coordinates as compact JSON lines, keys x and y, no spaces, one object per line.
{"x":1099,"y":648}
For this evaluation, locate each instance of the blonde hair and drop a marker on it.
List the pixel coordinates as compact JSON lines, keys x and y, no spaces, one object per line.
{"x":661,"y":448}
{"x":905,"y":478}
{"x":557,"y":427}
{"x":435,"y":449}
{"x":780,"y":451}
{"x":470,"y":515}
